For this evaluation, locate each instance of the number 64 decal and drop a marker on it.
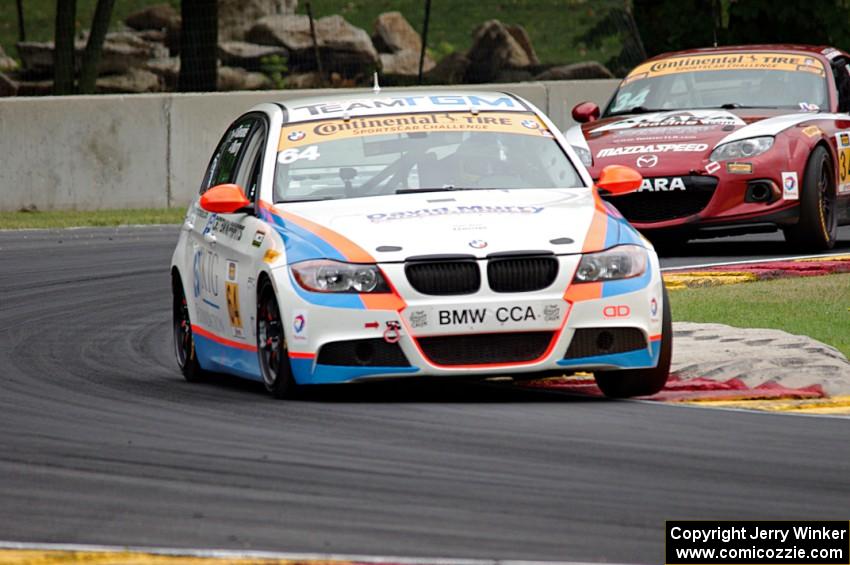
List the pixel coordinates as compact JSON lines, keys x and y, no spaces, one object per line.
{"x":288,"y":156}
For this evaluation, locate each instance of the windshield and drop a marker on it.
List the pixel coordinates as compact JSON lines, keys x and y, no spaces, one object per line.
{"x":367,"y":156}
{"x":749,"y":80}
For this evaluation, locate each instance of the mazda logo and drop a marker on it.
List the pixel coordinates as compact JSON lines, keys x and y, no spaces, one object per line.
{"x":647,"y":161}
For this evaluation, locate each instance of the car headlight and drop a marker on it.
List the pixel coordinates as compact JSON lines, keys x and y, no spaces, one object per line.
{"x":742,"y":149}
{"x":324,"y":275}
{"x":621,"y":262}
{"x":584,"y":155}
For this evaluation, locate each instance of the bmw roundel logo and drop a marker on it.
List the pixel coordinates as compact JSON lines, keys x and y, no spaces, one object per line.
{"x":530,"y":124}
{"x":296,"y":136}
{"x":478,"y":244}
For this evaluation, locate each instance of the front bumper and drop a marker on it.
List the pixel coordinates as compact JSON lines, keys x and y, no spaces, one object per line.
{"x":718,"y":199}
{"x":480,"y":334}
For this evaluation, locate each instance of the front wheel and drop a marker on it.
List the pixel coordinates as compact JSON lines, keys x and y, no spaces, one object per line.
{"x":817,"y":228}
{"x":642,"y":382}
{"x":271,"y":345}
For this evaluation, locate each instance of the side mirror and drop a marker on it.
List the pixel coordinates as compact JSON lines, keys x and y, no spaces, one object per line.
{"x":224,"y":199}
{"x":585,"y":112}
{"x":618,"y":179}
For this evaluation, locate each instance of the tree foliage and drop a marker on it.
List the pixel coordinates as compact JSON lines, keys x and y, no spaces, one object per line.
{"x":813,"y":22}
{"x":673,"y":25}
{"x":91,"y":56}
{"x":64,"y":50}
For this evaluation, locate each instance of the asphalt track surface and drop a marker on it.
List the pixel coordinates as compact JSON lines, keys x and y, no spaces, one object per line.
{"x":101,"y":440}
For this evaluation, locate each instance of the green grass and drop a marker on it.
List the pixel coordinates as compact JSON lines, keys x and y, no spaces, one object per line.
{"x":553,"y":25}
{"x":818,"y":307}
{"x":68,"y":219}
{"x":39,"y":18}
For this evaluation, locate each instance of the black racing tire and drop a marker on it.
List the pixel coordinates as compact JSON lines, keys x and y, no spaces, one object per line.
{"x":184,"y":341}
{"x":642,"y":382}
{"x":817,"y":228}
{"x":271,"y":345}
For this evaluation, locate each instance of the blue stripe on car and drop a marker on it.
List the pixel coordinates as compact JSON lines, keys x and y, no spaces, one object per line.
{"x":217,"y":357}
{"x":306,"y":371}
{"x":643,"y":358}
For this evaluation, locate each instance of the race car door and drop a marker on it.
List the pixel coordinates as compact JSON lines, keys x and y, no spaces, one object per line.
{"x":230,"y":255}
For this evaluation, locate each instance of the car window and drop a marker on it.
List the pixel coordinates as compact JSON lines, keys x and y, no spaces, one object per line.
{"x":346,"y":158}
{"x":765,"y":80}
{"x":222,"y":167}
{"x":841,"y":75}
{"x":247,"y":171}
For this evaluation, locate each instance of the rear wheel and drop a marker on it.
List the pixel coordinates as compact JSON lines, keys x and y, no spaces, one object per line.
{"x":184,"y":341}
{"x":817,"y":228}
{"x":642,"y":382}
{"x":271,"y":345}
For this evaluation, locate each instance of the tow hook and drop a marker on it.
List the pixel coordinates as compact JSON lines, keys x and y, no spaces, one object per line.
{"x":393,"y":332}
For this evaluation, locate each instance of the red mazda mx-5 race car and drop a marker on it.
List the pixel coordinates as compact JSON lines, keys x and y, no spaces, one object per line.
{"x":729,"y":140}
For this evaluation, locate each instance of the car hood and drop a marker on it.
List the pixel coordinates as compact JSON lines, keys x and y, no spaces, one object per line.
{"x":675,"y":137}
{"x":472,"y":222}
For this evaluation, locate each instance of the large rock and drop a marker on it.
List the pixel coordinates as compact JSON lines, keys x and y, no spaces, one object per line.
{"x":576,"y":71}
{"x":450,"y":70}
{"x":400,"y":47}
{"x":521,"y":36}
{"x":493,"y":49}
{"x":404,"y":64}
{"x":305,"y":80}
{"x":8,"y":87}
{"x":247,"y":55}
{"x":235,"y":17}
{"x":158,"y":17}
{"x":232,"y":78}
{"x":35,"y":88}
{"x":133,"y":81}
{"x":126,"y":50}
{"x":7,"y":63}
{"x":36,"y":56}
{"x":343,"y":48}
{"x":168,"y":70}
{"x":121,"y":52}
{"x":393,"y":33}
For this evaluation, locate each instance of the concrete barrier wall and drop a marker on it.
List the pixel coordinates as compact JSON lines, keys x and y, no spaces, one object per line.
{"x":150,"y":151}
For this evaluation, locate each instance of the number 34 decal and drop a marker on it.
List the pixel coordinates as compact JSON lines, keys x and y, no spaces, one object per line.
{"x":288,"y":156}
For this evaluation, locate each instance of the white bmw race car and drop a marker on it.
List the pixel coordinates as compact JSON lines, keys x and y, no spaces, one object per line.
{"x":441,"y":234}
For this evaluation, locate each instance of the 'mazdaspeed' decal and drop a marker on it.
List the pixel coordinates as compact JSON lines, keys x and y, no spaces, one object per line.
{"x":652,"y":148}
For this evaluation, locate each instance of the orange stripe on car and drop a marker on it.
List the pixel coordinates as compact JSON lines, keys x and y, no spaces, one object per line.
{"x":222,"y":340}
{"x":301,"y":355}
{"x":595,"y":239}
{"x":347,"y":248}
{"x":578,"y":292}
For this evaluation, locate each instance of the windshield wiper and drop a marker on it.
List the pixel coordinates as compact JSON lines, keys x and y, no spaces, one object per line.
{"x":447,"y":188}
{"x":296,"y":200}
{"x":639,"y":110}
{"x":733,"y":106}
